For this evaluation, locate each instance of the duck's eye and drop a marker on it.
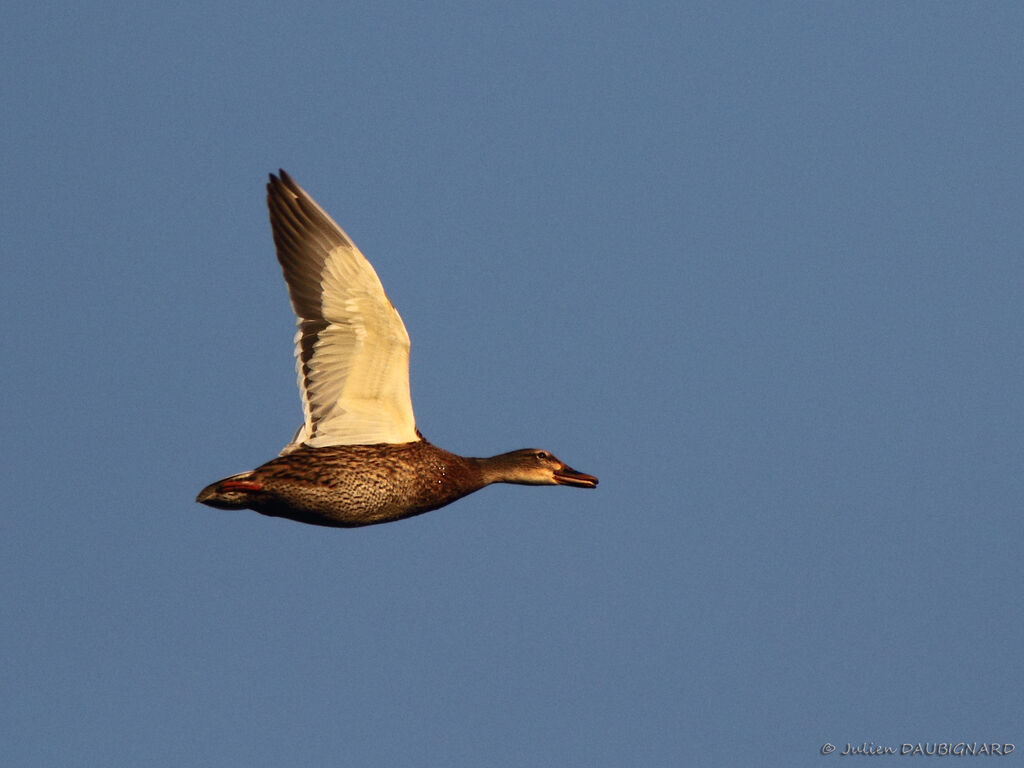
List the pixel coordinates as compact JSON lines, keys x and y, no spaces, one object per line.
{"x":542,"y":455}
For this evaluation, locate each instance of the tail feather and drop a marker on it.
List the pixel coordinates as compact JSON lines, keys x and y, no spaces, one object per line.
{"x":230,"y":493}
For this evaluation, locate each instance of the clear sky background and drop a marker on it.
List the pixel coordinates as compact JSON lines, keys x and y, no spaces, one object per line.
{"x":758,"y":266}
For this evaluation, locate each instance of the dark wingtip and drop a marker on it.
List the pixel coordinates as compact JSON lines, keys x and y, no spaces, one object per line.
{"x":280,"y":178}
{"x":283,"y":185}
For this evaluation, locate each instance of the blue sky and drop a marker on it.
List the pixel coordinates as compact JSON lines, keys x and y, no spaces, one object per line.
{"x":757,"y":266}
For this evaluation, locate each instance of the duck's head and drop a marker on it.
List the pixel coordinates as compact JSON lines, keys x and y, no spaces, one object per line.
{"x":532,"y":466}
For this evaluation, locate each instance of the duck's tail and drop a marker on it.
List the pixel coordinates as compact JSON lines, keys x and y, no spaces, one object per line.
{"x":230,"y":493}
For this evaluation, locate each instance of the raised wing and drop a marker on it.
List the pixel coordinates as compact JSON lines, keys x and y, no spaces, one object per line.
{"x":351,"y":349}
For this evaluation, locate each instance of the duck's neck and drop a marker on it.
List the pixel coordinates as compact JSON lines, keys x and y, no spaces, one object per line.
{"x":502,"y":468}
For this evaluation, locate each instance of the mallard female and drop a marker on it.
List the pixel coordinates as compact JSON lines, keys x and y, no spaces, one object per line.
{"x":358,"y":458}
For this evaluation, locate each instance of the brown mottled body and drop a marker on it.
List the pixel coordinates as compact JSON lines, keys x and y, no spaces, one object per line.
{"x":346,"y":486}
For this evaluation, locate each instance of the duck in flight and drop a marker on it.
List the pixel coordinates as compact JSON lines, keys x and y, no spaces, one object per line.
{"x":358,"y":458}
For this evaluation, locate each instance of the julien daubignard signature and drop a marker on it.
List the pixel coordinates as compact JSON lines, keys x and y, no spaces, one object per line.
{"x":922,"y":748}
